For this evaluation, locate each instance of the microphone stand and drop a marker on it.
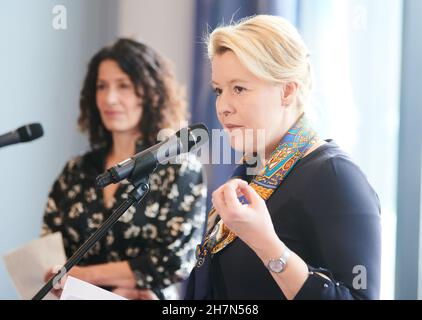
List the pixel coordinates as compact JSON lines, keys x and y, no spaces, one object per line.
{"x":139,"y":179}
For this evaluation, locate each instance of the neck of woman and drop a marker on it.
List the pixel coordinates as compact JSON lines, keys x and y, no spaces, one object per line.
{"x":287,"y":124}
{"x":290,"y":117}
{"x":124,"y":146}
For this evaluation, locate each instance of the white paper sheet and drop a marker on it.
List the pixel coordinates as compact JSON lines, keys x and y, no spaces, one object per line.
{"x":27,"y":265}
{"x":75,"y":289}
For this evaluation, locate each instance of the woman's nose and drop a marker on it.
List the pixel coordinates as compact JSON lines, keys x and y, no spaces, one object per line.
{"x":224,"y":106}
{"x":111,"y":96}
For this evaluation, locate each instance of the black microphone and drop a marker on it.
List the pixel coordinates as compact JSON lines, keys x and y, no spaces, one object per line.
{"x":23,"y":134}
{"x":185,"y":140}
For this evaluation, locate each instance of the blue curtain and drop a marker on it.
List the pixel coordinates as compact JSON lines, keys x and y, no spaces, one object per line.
{"x":209,"y":14}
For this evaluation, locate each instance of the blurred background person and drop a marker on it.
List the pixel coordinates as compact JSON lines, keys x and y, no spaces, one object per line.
{"x":128,"y":96}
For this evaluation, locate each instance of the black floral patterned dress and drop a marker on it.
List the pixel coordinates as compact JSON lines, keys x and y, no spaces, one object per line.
{"x":158,"y":238}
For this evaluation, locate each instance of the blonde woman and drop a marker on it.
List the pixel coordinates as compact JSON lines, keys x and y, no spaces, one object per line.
{"x":307,"y":226}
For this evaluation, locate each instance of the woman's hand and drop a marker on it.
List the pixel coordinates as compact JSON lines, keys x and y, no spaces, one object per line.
{"x":135,"y":294}
{"x":111,"y":274}
{"x":80,"y":273}
{"x":57,"y":287}
{"x":83,"y":273}
{"x":250,"y":222}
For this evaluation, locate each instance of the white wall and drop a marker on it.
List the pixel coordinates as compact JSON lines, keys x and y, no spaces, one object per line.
{"x":165,"y":25}
{"x":168,"y":27}
{"x":41,"y":76}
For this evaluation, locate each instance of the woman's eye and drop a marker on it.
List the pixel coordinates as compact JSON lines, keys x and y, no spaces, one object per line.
{"x":217,"y":91}
{"x":100,"y":86}
{"x":124,"y":86}
{"x":238,"y":89}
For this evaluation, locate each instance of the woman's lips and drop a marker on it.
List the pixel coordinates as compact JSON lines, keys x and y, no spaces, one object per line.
{"x":232,"y":127}
{"x":113,"y":114}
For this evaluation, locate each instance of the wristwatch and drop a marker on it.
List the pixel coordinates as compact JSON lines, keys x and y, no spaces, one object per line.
{"x":278,"y":265}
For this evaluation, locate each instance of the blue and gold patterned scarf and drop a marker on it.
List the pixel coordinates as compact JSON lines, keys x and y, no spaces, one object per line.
{"x":294,"y":144}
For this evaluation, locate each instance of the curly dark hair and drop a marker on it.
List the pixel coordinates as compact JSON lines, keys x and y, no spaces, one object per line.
{"x":163,"y":101}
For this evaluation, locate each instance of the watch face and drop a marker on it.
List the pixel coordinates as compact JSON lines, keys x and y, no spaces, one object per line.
{"x":276,"y":265}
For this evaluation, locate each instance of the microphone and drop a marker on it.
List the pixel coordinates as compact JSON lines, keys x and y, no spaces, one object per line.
{"x":23,"y":134}
{"x":185,"y":140}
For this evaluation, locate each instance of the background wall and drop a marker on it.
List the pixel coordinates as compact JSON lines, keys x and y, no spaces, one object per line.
{"x":41,"y":74}
{"x":42,"y":70}
{"x":165,"y":25}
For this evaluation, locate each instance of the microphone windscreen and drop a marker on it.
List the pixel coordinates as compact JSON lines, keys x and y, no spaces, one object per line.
{"x":30,"y":132}
{"x":198,"y":135}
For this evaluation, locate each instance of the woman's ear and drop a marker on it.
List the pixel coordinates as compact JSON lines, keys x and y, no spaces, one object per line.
{"x":288,"y":93}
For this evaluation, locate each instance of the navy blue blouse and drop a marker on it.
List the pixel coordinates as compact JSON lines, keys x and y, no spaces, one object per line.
{"x":328,"y":214}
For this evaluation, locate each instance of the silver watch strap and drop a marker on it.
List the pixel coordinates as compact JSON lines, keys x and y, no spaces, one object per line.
{"x":286,"y":255}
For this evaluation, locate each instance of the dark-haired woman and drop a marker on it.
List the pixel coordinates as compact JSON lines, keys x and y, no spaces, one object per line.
{"x":128,"y":96}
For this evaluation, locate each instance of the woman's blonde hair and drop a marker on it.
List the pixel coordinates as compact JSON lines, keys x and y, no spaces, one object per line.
{"x":268,"y":46}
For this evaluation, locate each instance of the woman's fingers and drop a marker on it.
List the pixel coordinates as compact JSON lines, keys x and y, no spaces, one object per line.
{"x":251,"y":195}
{"x":230,"y":195}
{"x":131,"y":294}
{"x":135,"y":294}
{"x":48,"y":275}
{"x":57,"y":287}
{"x":57,"y":292}
{"x":147,"y":295}
{"x":218,"y":200}
{"x":226,"y":197}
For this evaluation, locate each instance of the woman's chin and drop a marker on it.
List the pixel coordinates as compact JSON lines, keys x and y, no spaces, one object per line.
{"x":239,"y":146}
{"x":115,"y":127}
